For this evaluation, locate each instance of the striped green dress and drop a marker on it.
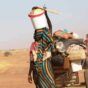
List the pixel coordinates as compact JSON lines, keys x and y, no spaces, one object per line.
{"x":43,"y":68}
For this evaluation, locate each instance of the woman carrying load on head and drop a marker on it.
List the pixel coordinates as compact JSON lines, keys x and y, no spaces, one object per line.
{"x":40,"y":56}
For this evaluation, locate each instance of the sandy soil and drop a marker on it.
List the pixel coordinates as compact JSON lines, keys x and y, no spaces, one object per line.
{"x":14,"y":70}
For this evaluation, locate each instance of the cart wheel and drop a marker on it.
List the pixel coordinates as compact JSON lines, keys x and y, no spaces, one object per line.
{"x":86,"y":77}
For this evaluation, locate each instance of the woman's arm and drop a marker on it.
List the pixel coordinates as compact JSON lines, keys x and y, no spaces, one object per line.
{"x":48,"y":21}
{"x":31,"y":68}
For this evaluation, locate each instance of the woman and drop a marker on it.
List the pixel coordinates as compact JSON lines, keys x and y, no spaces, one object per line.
{"x":40,"y":57}
{"x":41,"y":67}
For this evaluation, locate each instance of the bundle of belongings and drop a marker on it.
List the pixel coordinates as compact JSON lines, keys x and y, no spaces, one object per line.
{"x":76,"y":52}
{"x":73,"y":50}
{"x":66,"y":42}
{"x":70,"y":46}
{"x":62,"y":34}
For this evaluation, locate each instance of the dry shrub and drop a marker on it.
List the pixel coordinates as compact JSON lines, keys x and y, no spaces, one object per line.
{"x":7,"y":53}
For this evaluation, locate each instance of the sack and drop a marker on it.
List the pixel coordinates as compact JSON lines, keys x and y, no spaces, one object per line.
{"x":76,"y":52}
{"x":62,"y":34}
{"x":57,"y":60}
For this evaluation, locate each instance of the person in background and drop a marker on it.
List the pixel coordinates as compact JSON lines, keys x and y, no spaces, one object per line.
{"x":86,"y":43}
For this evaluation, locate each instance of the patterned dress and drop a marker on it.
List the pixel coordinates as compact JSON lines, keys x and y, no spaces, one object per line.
{"x":42,"y":66}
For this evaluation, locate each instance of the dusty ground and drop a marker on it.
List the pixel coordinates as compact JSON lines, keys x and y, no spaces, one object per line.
{"x":14,"y":70}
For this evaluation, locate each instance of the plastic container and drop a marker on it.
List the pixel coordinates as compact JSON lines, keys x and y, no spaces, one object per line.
{"x":38,"y":18}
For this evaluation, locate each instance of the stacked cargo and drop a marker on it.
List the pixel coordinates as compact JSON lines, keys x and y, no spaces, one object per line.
{"x":71,"y":45}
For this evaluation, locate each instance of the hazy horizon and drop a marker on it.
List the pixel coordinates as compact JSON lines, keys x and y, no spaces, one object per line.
{"x":16,"y":30}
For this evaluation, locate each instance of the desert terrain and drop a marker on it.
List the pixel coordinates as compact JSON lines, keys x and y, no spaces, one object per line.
{"x":14,"y":69}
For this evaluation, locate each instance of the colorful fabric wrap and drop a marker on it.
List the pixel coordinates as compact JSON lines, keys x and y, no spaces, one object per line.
{"x":43,"y":67}
{"x":43,"y":34}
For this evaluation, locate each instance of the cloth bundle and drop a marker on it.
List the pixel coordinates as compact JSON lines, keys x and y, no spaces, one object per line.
{"x":76,"y":52}
{"x":43,"y":36}
{"x":62,"y":34}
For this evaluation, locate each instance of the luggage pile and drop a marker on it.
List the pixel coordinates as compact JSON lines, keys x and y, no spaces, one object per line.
{"x":70,"y":44}
{"x":74,"y":49}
